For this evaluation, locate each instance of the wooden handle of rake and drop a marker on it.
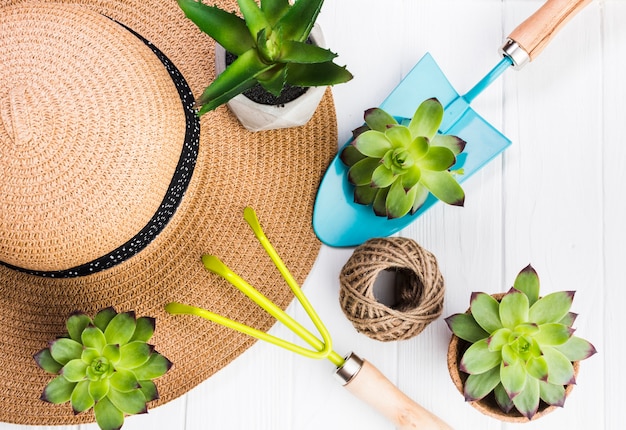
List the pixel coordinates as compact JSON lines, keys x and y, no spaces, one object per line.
{"x":537,"y":31}
{"x":371,"y":386}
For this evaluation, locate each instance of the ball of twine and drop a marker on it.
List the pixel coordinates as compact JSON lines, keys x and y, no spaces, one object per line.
{"x":419,"y":289}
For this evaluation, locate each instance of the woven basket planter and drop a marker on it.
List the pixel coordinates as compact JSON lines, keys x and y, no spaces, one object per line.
{"x":488,"y":405}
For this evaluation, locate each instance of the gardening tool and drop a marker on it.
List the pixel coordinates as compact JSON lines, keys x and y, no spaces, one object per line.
{"x":338,"y":221}
{"x":359,"y":377}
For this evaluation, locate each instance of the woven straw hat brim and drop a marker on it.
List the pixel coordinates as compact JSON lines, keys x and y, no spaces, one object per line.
{"x":276,"y":172}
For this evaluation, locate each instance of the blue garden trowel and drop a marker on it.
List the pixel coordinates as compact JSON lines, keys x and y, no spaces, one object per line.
{"x":339,"y":221}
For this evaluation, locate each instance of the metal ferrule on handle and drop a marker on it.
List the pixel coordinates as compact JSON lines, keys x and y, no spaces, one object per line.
{"x":519,"y":57}
{"x":351,"y":366}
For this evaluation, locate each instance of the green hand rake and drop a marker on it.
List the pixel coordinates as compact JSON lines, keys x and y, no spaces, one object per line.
{"x":358,"y":376}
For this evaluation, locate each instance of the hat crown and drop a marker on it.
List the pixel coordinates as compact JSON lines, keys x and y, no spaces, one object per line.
{"x":92,"y":132}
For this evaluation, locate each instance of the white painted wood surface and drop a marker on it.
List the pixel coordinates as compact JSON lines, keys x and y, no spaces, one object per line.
{"x":554,"y":199}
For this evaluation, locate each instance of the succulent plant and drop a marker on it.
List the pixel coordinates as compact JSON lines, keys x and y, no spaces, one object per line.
{"x":522,"y":347}
{"x":269,"y":41}
{"x":104,"y":363}
{"x":394,"y":166}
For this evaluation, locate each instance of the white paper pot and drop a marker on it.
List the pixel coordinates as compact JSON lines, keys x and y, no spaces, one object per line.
{"x":256,"y":117}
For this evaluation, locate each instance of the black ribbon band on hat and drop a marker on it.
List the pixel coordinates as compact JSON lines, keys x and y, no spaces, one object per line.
{"x":171,"y":201}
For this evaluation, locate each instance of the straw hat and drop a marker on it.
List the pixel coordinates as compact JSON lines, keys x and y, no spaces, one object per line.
{"x":112,"y":190}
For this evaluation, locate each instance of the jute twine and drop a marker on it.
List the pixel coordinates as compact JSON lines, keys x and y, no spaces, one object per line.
{"x":419,"y":289}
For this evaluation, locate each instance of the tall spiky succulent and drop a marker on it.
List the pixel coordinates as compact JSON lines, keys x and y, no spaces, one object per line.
{"x":522,"y":347}
{"x":104,"y":363}
{"x":270,"y":45}
{"x":394,"y":166}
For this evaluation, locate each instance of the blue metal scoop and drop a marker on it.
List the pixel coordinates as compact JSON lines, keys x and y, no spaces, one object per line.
{"x":339,"y":221}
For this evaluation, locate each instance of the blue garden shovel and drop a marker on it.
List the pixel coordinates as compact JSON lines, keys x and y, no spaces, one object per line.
{"x":339,"y":221}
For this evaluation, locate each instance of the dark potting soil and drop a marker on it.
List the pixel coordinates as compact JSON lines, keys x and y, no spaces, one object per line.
{"x":259,"y":95}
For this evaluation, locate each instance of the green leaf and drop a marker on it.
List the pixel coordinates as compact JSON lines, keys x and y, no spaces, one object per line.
{"x":465,"y":327}
{"x":121,"y":328}
{"x":156,"y":366}
{"x":94,"y":338}
{"x":273,"y":81}
{"x":419,"y":147}
{"x":63,"y":350}
{"x":74,"y":370}
{"x":560,"y":369}
{"x":453,"y":143}
{"x":478,"y":358}
{"x":373,"y":144}
{"x":102,"y":318}
{"x":427,"y":119}
{"x":537,"y":367}
{"x":411,"y":178}
{"x":89,"y":355}
{"x":365,"y":194}
{"x":513,"y":377}
{"x":76,"y":324}
{"x":443,"y":186}
{"x":298,"y":21}
{"x":527,"y":402}
{"x":509,"y":355}
{"x":478,"y":386}
{"x":361,"y":172}
{"x":81,"y":399}
{"x":58,"y":391}
{"x":99,"y":389}
{"x":134,"y":354}
{"x":253,"y":16}
{"x":438,"y":158}
{"x":124,"y":380}
{"x":498,"y":339}
{"x":527,"y":282}
{"x":399,"y":136}
{"x":317,"y":74}
{"x":301,"y":52}
{"x":380,"y":201}
{"x":108,"y":416}
{"x":399,"y":202}
{"x":421,"y":193}
{"x":378,"y":119}
{"x":513,"y":309}
{"x":44,"y":360}
{"x":274,"y":9}
{"x":551,"y":308}
{"x":149,"y":390}
{"x":240,"y":75}
{"x":485,"y":310}
{"x":112,"y":353}
{"x":144,"y":329}
{"x":553,"y":334}
{"x":502,"y":399}
{"x":381,"y":177}
{"x":552,"y":394}
{"x":576,"y":349}
{"x":569,"y":319}
{"x":131,"y":402}
{"x":228,"y":29}
{"x":350,"y":155}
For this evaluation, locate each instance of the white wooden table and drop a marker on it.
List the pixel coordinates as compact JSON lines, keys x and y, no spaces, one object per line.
{"x":554,"y":199}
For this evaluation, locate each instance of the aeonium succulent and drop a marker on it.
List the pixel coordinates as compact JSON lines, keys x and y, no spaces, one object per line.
{"x":269,"y":41}
{"x":394,"y":166}
{"x":522,"y":347}
{"x":104,"y":363}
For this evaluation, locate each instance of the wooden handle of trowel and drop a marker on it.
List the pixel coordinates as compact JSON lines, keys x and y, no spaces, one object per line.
{"x":371,"y":386}
{"x":537,"y":31}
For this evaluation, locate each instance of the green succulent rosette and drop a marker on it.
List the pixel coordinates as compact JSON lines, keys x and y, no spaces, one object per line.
{"x":521,"y":347}
{"x":104,"y":363}
{"x":395,"y":166}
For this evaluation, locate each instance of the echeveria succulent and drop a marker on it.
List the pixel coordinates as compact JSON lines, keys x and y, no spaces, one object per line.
{"x":522,"y":347}
{"x":394,"y":166}
{"x":269,"y":41}
{"x":104,"y":363}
